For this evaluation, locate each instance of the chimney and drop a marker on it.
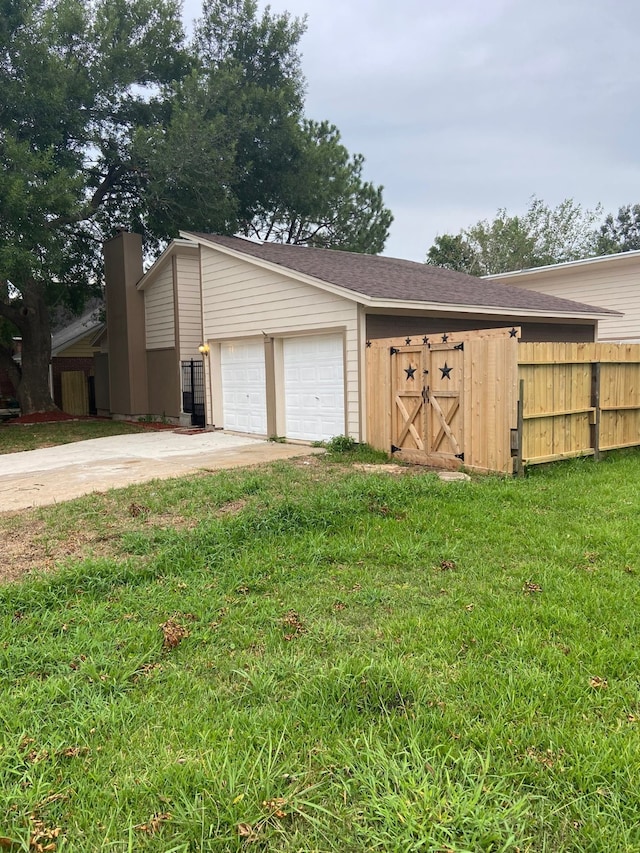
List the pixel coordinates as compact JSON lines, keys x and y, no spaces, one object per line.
{"x":125,"y":326}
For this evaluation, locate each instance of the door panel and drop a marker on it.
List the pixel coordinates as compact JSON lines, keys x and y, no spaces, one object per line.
{"x":314,"y":387}
{"x":244,"y":396}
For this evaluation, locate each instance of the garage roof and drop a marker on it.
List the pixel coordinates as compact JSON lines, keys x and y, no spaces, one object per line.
{"x":379,"y":277}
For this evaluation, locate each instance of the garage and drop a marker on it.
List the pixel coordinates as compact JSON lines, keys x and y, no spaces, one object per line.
{"x":244,"y":399}
{"x":314,"y":387}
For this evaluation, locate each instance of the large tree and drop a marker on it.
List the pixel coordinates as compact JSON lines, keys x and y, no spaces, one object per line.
{"x":543,"y":235}
{"x":110,"y":119}
{"x":76,"y":79}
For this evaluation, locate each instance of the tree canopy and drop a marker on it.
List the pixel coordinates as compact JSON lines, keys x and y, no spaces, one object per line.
{"x":620,"y":233}
{"x":543,"y":235}
{"x":110,"y":118}
{"x":322,"y":199}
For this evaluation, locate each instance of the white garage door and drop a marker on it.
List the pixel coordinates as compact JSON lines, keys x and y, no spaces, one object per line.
{"x":244,"y":395}
{"x":314,"y":387}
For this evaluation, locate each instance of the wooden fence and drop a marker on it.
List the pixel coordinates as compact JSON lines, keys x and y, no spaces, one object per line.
{"x":445,"y":400}
{"x":75,"y":396}
{"x":576,"y":400}
{"x":486,"y":401}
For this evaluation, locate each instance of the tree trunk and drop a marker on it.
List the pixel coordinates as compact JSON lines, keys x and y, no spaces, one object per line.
{"x":33,"y":391}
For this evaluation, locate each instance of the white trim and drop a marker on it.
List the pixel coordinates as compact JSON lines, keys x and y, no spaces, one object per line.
{"x":599,"y":259}
{"x":320,"y":283}
{"x":169,"y":252}
{"x":451,"y":308}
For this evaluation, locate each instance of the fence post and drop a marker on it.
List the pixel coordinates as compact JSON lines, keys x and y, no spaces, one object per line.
{"x":595,"y":402}
{"x":516,"y":434}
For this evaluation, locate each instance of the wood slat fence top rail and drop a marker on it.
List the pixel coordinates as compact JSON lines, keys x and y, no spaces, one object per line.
{"x":447,"y":337}
{"x":530,"y":352}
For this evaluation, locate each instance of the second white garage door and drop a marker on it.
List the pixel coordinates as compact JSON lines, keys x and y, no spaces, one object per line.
{"x":314,"y":387}
{"x":244,"y":396}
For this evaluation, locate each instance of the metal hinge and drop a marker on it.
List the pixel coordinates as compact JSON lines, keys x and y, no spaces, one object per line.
{"x":460,"y":456}
{"x":459,"y":346}
{"x":394,"y":351}
{"x":395,"y":449}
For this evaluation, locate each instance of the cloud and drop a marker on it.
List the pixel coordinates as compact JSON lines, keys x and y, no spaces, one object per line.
{"x":462,"y":107}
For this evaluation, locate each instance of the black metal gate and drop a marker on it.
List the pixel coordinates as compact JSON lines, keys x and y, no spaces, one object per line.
{"x":193,"y":391}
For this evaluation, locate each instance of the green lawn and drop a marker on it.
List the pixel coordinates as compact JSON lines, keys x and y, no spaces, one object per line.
{"x":309,"y":657}
{"x":16,"y":437}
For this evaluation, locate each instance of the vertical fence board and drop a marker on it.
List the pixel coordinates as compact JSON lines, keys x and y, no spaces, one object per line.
{"x":379,"y":397}
{"x":75,"y":393}
{"x":563,"y":415}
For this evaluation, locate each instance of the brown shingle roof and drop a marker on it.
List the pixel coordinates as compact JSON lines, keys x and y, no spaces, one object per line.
{"x":379,"y":277}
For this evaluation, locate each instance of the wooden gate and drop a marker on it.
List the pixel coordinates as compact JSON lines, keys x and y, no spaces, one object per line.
{"x":75,"y":392}
{"x":445,"y":400}
{"x":427,"y":385}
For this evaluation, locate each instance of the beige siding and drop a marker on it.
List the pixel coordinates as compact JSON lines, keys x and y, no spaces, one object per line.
{"x":611,"y":284}
{"x":189,"y":307}
{"x":159,"y":311}
{"x":241,"y":299}
{"x":81,"y":349}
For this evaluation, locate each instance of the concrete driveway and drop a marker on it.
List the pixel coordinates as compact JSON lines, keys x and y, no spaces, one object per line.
{"x":54,"y":474}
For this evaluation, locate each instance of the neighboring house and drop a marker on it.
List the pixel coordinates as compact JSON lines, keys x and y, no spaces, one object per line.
{"x":284,"y":328}
{"x":72,"y":369}
{"x":612,"y":281}
{"x":72,"y":363}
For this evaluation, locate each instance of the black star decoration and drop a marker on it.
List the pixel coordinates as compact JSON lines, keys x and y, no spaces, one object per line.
{"x":513,"y":333}
{"x":445,"y":338}
{"x":425,"y":340}
{"x":368,"y":344}
{"x":446,"y":371}
{"x":407,"y":341}
{"x":410,"y":371}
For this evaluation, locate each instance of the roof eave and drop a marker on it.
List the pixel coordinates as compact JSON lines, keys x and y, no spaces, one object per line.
{"x":351,"y":295}
{"x":93,"y":330}
{"x":376,"y":302}
{"x":160,"y":261}
{"x":566,"y":265}
{"x":490,"y":309}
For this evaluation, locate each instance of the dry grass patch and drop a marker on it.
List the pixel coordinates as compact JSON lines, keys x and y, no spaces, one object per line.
{"x":39,"y":539}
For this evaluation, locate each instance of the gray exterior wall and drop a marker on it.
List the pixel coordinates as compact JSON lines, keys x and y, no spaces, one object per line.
{"x":391,"y":326}
{"x":101,"y":373}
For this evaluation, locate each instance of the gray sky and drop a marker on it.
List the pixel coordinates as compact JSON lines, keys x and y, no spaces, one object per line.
{"x":461,"y":107}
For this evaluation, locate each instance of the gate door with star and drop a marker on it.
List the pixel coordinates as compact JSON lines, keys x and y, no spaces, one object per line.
{"x":445,"y":399}
{"x":443,"y":392}
{"x":408,"y":371}
{"x":427,"y":381}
